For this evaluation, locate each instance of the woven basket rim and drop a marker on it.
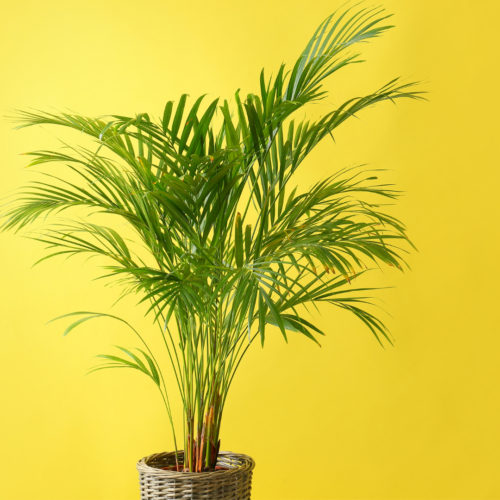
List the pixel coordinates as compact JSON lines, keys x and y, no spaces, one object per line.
{"x":247,"y":465}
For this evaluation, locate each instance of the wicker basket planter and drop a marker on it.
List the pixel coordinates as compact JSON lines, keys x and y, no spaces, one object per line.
{"x":232,"y":484}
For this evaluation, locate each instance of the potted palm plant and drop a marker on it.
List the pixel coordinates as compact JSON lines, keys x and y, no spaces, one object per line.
{"x":224,"y":243}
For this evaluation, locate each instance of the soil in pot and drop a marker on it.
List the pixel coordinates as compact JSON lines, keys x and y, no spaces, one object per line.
{"x":180,"y":468}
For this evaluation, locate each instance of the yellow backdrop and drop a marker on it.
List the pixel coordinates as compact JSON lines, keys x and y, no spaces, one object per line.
{"x":350,"y":420}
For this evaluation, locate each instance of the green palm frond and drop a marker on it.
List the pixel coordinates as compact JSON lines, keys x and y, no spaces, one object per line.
{"x":134,"y":363}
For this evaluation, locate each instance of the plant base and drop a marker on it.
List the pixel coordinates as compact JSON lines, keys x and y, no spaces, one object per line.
{"x":234,"y":483}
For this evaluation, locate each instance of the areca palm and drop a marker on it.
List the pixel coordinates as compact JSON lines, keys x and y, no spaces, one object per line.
{"x":224,"y":244}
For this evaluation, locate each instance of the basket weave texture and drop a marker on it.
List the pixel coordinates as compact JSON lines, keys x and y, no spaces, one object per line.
{"x":232,"y":484}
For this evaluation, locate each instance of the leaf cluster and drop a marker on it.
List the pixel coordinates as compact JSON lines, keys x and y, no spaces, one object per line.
{"x":223,"y":244}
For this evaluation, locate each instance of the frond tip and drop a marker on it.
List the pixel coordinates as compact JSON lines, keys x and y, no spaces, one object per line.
{"x":134,"y":363}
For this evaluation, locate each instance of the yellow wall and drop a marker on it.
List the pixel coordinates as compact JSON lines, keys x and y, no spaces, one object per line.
{"x":350,"y":420}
